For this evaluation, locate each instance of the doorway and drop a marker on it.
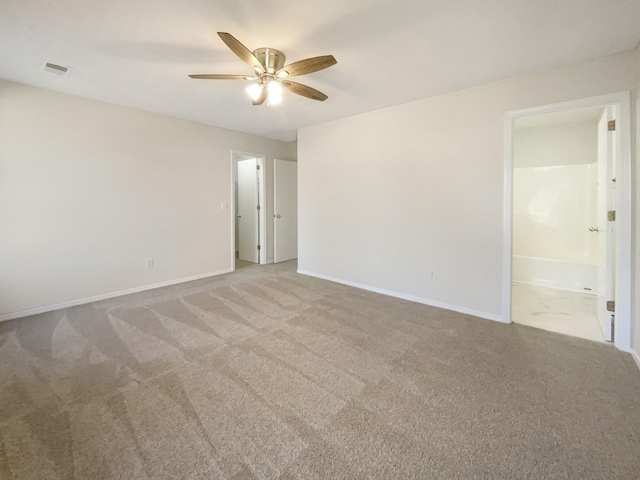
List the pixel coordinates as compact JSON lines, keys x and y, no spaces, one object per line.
{"x":556,"y":188}
{"x":567,"y":254}
{"x":247,"y":212}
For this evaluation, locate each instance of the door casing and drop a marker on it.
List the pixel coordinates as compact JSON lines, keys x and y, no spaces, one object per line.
{"x":605,"y":235}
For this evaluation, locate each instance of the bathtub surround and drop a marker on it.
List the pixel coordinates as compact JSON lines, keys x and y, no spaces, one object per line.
{"x":553,"y":209}
{"x":570,"y":276}
{"x":265,"y":373}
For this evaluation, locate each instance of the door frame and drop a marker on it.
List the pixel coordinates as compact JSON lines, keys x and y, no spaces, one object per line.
{"x":621,"y":101}
{"x":261,"y":160}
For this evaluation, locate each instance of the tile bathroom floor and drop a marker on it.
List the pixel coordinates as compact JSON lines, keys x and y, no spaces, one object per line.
{"x":560,"y":311}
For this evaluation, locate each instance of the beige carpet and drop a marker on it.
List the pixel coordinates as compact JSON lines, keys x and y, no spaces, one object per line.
{"x":265,"y":373}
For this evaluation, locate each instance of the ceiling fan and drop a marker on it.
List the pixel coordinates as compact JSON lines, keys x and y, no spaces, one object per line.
{"x":271,"y":72}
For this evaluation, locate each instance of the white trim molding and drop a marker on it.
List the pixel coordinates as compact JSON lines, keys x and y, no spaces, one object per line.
{"x":636,"y":357}
{"x":404,"y":296}
{"x":624,"y":236}
{"x":82,"y":301}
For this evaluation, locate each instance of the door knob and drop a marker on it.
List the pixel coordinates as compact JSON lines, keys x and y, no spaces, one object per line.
{"x":278,"y":215}
{"x":239,"y":216}
{"x":594,"y":229}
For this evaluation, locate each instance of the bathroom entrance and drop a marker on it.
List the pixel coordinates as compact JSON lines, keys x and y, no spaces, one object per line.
{"x":558,"y":183}
{"x":566,"y":249}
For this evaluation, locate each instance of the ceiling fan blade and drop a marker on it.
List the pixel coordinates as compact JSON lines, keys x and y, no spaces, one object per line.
{"x":309,"y":65}
{"x":304,"y":90}
{"x":263,"y":96}
{"x":222,"y":76}
{"x":241,"y":51}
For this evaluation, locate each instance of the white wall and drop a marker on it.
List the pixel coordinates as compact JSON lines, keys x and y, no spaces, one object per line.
{"x":88,"y":190}
{"x":420,"y":185}
{"x":565,"y":144}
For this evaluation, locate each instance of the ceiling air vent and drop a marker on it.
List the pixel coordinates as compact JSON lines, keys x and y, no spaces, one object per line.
{"x":57,"y":69}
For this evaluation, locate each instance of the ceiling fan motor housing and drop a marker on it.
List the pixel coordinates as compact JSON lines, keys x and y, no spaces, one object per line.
{"x":272,"y":59}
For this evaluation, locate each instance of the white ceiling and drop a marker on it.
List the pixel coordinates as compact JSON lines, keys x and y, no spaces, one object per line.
{"x":139,"y":53}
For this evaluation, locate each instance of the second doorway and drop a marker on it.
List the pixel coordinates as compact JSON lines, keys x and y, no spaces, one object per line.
{"x":248,"y":193}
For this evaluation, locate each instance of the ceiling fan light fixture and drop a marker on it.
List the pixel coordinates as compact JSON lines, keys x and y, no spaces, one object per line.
{"x":271,"y":72}
{"x":274,"y":92}
{"x":254,"y":90}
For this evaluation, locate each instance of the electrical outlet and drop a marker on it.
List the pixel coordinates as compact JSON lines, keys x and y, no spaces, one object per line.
{"x":148,"y":263}
{"x":432,"y":273}
{"x":311,"y":252}
{"x":223,"y":206}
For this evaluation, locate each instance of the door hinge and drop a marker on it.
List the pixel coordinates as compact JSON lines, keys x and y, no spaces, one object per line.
{"x":613,"y":326}
{"x":257,"y":207}
{"x":258,"y":247}
{"x":611,"y":306}
{"x":611,"y":126}
{"x":611,"y":215}
{"x":258,"y":166}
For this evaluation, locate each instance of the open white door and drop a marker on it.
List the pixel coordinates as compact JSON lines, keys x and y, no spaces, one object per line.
{"x":285,"y":207}
{"x":604,"y":229}
{"x":247,"y":211}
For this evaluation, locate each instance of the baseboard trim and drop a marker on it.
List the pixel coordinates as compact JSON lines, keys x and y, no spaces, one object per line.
{"x":636,"y":357}
{"x":411,"y":298}
{"x":82,"y":301}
